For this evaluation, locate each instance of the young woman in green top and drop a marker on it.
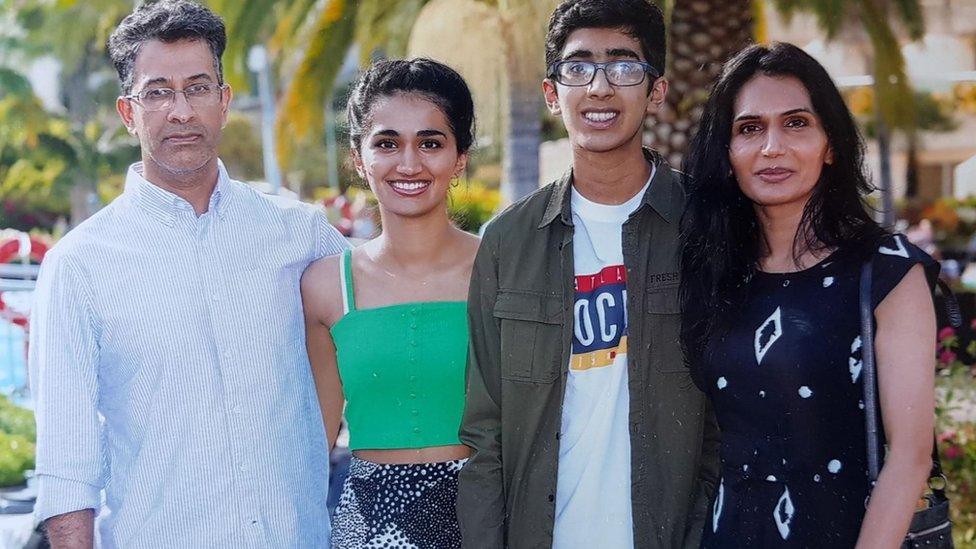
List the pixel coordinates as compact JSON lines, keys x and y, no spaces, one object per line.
{"x":386,"y":323}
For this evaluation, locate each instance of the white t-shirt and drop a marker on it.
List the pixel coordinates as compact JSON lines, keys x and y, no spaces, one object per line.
{"x":593,"y":503}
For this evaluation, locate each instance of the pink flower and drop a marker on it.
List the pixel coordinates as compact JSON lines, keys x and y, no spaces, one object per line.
{"x":947,"y":357}
{"x":946,"y":333}
{"x":952,"y":452}
{"x":946,"y":436}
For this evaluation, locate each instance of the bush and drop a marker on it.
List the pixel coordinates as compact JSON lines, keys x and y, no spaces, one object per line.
{"x":958,"y":450}
{"x":957,"y":431}
{"x":17,"y":437}
{"x":15,"y":420}
{"x":16,"y":456}
{"x":471,"y":204}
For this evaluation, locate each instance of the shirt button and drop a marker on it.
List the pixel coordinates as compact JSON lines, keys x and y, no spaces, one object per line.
{"x":413,"y":343}
{"x":415,"y":412}
{"x":236,"y":409}
{"x":416,"y":429}
{"x":550,"y":498}
{"x":215,"y":297}
{"x":243,"y":467}
{"x":226,"y":354}
{"x":413,"y":395}
{"x":413,"y":378}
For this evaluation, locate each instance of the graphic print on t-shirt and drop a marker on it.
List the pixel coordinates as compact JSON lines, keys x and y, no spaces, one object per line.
{"x":599,"y":318}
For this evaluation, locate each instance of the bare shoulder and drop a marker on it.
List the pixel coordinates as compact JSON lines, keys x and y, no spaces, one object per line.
{"x":322,"y":289}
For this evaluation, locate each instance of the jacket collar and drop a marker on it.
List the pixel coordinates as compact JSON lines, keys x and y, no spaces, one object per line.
{"x":657,"y":196}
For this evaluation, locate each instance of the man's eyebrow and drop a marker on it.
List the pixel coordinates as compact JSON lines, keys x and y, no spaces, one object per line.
{"x":586,"y":54}
{"x":163,"y":80}
{"x":622,"y":52}
{"x":431,"y":133}
{"x":157,"y":80}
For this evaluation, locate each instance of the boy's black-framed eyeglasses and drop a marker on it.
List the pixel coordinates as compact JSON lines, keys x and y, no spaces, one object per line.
{"x":619,"y":73}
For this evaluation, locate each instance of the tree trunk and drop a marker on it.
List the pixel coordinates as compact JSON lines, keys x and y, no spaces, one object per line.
{"x":523,"y":32}
{"x":884,"y":160}
{"x":702,"y":35}
{"x":911,"y":173}
{"x":521,"y":158}
{"x":83,"y":200}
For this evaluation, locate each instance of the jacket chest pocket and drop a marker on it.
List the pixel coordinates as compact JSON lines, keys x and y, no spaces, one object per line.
{"x":530,"y":328}
{"x":663,"y":329}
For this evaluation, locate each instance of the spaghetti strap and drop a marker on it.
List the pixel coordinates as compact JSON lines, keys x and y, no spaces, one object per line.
{"x":345,"y":279}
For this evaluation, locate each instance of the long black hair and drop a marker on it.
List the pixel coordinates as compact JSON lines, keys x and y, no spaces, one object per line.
{"x":721,"y":235}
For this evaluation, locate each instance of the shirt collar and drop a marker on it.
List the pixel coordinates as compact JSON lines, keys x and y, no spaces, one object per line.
{"x":657,"y":196}
{"x":166,"y":206}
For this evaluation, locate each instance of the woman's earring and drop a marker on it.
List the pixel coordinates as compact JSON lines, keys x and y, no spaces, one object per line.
{"x":455,"y":181}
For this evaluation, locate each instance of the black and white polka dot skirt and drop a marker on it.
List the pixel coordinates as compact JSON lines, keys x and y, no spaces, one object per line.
{"x":398,"y":506}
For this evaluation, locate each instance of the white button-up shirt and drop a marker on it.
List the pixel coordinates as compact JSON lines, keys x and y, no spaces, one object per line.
{"x":168,"y":369}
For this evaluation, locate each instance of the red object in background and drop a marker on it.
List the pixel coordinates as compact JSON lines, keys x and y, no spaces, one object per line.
{"x":346,"y":218}
{"x":10,"y":250}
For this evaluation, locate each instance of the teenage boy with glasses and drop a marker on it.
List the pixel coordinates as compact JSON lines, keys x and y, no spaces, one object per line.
{"x":586,"y":428}
{"x":174,"y":399}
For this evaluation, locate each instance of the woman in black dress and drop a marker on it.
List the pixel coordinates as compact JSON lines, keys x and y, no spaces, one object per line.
{"x":775,"y":236}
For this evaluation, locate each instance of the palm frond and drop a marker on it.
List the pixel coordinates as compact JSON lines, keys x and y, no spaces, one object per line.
{"x":911,"y":16}
{"x":893,"y":91}
{"x":14,"y":83}
{"x":303,"y":105}
{"x":287,"y":30}
{"x":382,"y":26}
{"x":830,"y":14}
{"x":247,"y":24}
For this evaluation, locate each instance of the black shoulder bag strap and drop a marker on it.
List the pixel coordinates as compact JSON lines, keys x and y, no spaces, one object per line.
{"x":869,"y":376}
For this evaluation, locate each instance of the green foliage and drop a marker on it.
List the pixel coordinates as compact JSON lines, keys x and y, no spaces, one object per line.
{"x":957,"y":432}
{"x":15,"y":420}
{"x":471,"y":204}
{"x":240,"y":148}
{"x":318,"y":34}
{"x":892,"y":86}
{"x":931,"y":114}
{"x":17,"y":437}
{"x":16,"y":456}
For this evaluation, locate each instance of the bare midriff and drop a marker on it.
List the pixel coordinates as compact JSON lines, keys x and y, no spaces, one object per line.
{"x":432,"y":454}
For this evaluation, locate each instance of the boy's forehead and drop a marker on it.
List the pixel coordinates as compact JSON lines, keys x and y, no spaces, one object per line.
{"x":601,"y":42}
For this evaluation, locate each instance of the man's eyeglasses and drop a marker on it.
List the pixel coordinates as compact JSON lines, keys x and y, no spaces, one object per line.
{"x":618,"y":73}
{"x":162,"y":99}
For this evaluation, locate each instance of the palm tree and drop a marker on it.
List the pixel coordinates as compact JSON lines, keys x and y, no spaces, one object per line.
{"x":894,"y":98}
{"x":702,"y":35}
{"x":74,"y":33}
{"x":320,"y":35}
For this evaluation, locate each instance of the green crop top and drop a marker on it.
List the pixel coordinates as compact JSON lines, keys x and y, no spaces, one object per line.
{"x":402,"y":369}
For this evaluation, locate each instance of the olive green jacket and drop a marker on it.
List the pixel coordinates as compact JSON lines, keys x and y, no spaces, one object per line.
{"x":520,"y":312}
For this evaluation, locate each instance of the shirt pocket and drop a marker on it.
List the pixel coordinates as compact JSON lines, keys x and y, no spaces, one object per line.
{"x":663,"y":328}
{"x":530,"y":327}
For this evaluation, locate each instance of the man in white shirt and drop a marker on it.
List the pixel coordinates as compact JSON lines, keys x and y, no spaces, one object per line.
{"x":174,"y":399}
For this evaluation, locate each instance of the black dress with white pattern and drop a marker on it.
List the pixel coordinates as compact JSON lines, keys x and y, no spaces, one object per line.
{"x":785,"y":381}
